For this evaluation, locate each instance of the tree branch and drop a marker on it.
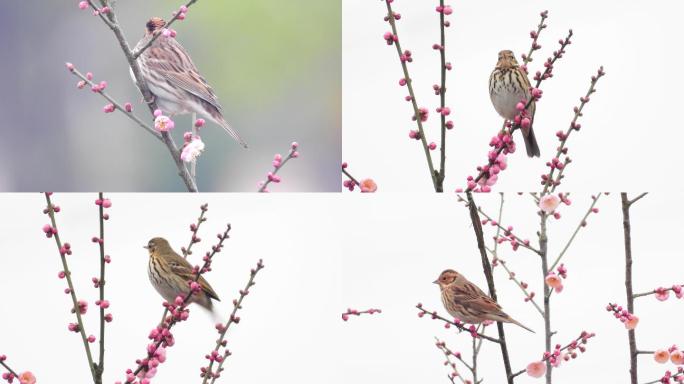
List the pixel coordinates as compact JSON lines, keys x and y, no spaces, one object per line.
{"x":111,"y":22}
{"x":477,"y":227}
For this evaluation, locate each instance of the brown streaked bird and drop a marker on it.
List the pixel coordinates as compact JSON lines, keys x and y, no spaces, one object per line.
{"x":174,"y":80}
{"x":466,"y":302}
{"x":508,"y":85}
{"x":169,"y":274}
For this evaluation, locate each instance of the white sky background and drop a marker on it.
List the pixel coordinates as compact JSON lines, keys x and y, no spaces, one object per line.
{"x":323,"y":254}
{"x":630,"y":128}
{"x":286,"y":318}
{"x":414,"y":239}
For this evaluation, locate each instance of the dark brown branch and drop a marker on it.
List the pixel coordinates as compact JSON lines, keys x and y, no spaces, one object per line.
{"x":627,"y":228}
{"x":477,"y":227}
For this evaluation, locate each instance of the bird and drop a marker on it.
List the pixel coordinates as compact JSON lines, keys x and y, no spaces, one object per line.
{"x":466,"y":302}
{"x":169,"y":273}
{"x":509,"y":85}
{"x":174,"y":81}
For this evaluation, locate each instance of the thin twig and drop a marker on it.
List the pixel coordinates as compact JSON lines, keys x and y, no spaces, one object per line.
{"x":193,"y":165}
{"x":67,"y":273}
{"x":100,"y":365}
{"x":277,"y":167}
{"x":118,"y":106}
{"x":634,"y":200}
{"x":582,"y":337}
{"x":409,"y":85}
{"x":441,"y":345}
{"x":495,"y":257}
{"x":136,"y":53}
{"x":528,"y":58}
{"x":581,"y":224}
{"x":549,"y":183}
{"x":355,"y":312}
{"x":346,"y":173}
{"x":521,"y":242}
{"x":10,"y":370}
{"x":655,"y":291}
{"x":442,"y":99}
{"x":194,"y":229}
{"x":237,"y":304}
{"x":434,"y":315}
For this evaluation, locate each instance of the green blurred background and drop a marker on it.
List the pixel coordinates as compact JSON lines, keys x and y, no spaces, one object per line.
{"x":275,"y":66}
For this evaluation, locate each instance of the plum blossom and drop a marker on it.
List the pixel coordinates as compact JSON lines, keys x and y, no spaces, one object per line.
{"x":163,"y":123}
{"x":536,"y":369}
{"x":27,"y":378}
{"x":662,"y":294}
{"x":554,"y":281}
{"x":661,"y":356}
{"x":368,"y":186}
{"x":632,"y":322}
{"x":192,"y":150}
{"x":677,"y":357}
{"x":549,"y":203}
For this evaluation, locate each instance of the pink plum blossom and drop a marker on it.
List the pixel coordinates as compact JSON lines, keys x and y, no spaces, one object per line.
{"x":536,"y":369}
{"x":661,"y":356}
{"x":549,"y":203}
{"x":662,"y":294}
{"x":192,"y":150}
{"x":368,"y":186}
{"x":163,"y":123}
{"x":554,"y":281}
{"x":632,"y":322}
{"x":677,"y":357}
{"x":27,"y":378}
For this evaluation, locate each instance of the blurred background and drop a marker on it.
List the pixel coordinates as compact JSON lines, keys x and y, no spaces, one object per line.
{"x":275,"y":69}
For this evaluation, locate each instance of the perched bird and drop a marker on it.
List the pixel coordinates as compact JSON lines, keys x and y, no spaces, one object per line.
{"x":466,"y":302}
{"x":175,"y":82}
{"x":508,"y":85}
{"x":169,"y":274}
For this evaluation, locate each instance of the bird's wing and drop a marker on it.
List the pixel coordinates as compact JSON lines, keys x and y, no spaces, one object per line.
{"x":182,"y":268}
{"x":192,"y":82}
{"x":207,"y":288}
{"x":472,"y":297}
{"x":179,"y":70}
{"x":527,"y":86}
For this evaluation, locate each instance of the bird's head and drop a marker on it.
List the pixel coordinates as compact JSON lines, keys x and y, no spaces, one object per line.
{"x":157,"y":244}
{"x":507,"y":59}
{"x":447,"y":277}
{"x":155,"y":24}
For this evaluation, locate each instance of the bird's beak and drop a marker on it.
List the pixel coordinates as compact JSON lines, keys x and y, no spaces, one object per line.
{"x":146,"y":246}
{"x":435,"y":282}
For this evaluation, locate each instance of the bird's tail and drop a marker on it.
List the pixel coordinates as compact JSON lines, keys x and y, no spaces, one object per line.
{"x":232,"y":132}
{"x":531,"y":144}
{"x":519,"y":325}
{"x":207,"y":304}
